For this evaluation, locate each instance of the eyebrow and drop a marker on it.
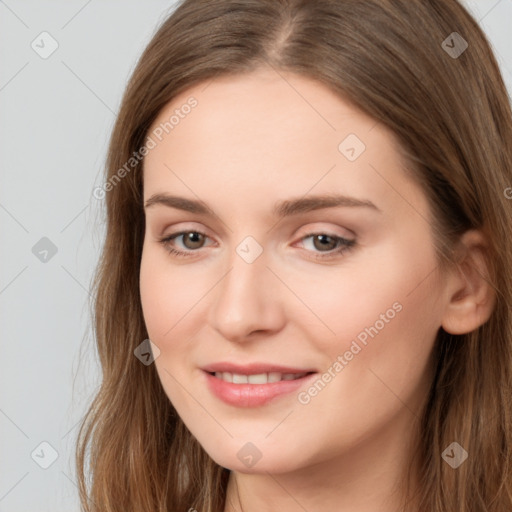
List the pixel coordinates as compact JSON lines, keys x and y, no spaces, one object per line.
{"x":281,"y":209}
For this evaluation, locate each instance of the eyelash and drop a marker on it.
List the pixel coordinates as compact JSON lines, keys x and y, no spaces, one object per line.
{"x":346,"y":245}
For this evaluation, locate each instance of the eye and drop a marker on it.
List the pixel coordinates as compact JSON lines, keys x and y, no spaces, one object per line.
{"x":324,"y":244}
{"x":191,"y":241}
{"x":328,"y":246}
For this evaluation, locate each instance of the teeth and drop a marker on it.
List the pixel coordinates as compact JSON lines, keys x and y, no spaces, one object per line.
{"x":274,"y":377}
{"x":239,"y":379}
{"x":259,"y":378}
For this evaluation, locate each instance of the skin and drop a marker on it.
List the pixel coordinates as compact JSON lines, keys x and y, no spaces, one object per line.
{"x":251,"y":141}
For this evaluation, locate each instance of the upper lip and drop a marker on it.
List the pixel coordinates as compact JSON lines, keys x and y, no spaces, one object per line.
{"x":253,"y":368}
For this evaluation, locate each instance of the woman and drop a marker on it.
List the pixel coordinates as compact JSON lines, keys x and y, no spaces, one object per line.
{"x":308,"y":215}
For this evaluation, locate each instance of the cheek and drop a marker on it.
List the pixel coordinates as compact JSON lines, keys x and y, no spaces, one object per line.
{"x":381,"y":289}
{"x":168,"y":293}
{"x":384,"y":313}
{"x":385,"y":318}
{"x":168,"y":297}
{"x":156,"y":303}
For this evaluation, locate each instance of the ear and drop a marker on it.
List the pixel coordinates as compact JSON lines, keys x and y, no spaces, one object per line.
{"x":471,"y":295}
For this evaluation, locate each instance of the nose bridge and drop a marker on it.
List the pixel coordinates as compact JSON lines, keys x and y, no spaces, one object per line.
{"x":246,"y":299}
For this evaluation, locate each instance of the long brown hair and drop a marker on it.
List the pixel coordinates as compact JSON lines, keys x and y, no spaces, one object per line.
{"x":451,"y":114}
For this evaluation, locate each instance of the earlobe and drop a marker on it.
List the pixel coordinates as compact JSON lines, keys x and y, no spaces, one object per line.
{"x":471,"y":293}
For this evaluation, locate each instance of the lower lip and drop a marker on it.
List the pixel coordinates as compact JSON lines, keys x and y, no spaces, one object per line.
{"x":252,"y":395}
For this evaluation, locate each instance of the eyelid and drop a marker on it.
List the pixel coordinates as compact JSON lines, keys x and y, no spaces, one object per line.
{"x":324,"y":232}
{"x":319,"y":228}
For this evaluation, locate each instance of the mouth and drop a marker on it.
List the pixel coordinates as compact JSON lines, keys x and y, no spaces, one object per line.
{"x":241,"y":389}
{"x":257,"y":378}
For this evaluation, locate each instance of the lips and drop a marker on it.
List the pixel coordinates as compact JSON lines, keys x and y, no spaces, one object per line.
{"x":254,"y":384}
{"x":255,"y":368}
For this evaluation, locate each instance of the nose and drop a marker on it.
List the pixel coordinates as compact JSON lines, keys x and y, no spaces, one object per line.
{"x":247,"y":301}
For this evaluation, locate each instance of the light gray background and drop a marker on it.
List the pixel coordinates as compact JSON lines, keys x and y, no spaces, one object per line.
{"x":56,"y":118}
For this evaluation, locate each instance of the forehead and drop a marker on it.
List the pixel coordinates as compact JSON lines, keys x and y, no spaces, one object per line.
{"x":268,"y":134}
{"x":261,"y":108}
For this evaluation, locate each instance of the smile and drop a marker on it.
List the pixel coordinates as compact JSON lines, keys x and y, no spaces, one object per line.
{"x":258,"y":378}
{"x":252,"y":390}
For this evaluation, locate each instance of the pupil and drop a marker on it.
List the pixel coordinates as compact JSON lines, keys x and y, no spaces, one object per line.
{"x":322,"y":239}
{"x":194,"y":238}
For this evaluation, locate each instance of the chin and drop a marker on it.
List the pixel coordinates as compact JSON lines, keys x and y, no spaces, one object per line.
{"x":249,"y":459}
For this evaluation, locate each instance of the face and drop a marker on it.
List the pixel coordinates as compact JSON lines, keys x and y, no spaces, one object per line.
{"x":295,"y":259}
